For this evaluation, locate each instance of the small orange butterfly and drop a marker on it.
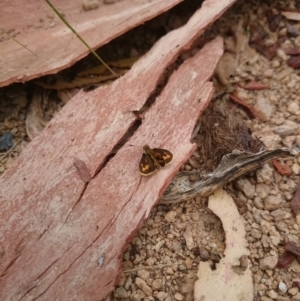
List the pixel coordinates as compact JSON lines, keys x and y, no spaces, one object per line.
{"x":153,"y":159}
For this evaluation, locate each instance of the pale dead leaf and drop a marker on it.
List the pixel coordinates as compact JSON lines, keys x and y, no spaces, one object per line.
{"x":291,"y":15}
{"x":35,"y":121}
{"x":225,"y":283}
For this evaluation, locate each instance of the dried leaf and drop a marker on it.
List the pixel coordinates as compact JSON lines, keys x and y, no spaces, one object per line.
{"x":257,"y":34}
{"x":232,"y":279}
{"x":35,"y":121}
{"x":291,"y":15}
{"x":295,"y":202}
{"x":251,"y":111}
{"x":292,"y":51}
{"x":292,"y":247}
{"x":257,"y":41}
{"x":285,"y":260}
{"x":253,"y":85}
{"x":294,"y":61}
{"x":231,"y":167}
{"x":282,"y":168}
{"x":92,"y":76}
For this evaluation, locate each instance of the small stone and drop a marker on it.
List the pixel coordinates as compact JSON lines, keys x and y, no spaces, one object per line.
{"x":275,"y":240}
{"x":246,"y":187}
{"x":257,"y":216}
{"x":195,"y":216}
{"x":293,"y":291}
{"x":296,"y":169}
{"x":137,"y":296}
{"x":288,"y":141}
{"x":265,"y":175}
{"x":159,"y":245}
{"x":281,"y":225}
{"x":295,"y":267}
{"x":176,"y":246}
{"x":272,"y":294}
{"x":283,"y":73}
{"x":282,"y":286}
{"x":180,"y":225}
{"x":189,"y":263}
{"x":270,"y":140}
{"x":272,"y":202}
{"x":120,"y":292}
{"x":169,"y":271}
{"x":128,"y":283}
{"x":268,"y":262}
{"x":296,"y":297}
{"x":144,"y":274}
{"x":90,"y":4}
{"x":178,"y":296}
{"x":256,"y":234}
{"x":258,"y":203}
{"x":280,"y":214}
{"x":156,"y":284}
{"x":140,"y":283}
{"x":265,"y":241}
{"x":187,"y":287}
{"x":150,"y":261}
{"x":264,"y":298}
{"x":6,"y":141}
{"x":286,"y":129}
{"x":161,"y":296}
{"x":297,"y":140}
{"x":264,"y":109}
{"x":293,"y":108}
{"x":281,"y":298}
{"x":189,"y":238}
{"x":262,"y":190}
{"x":170,"y":216}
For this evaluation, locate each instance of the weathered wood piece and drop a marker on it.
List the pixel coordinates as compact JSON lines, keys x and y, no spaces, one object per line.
{"x":54,"y":46}
{"x":63,"y":235}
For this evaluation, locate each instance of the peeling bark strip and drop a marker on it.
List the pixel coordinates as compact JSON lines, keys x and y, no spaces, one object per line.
{"x":63,"y":48}
{"x":62,"y":246}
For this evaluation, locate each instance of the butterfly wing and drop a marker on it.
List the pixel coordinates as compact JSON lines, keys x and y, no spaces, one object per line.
{"x":147,"y":166}
{"x":162,"y":156}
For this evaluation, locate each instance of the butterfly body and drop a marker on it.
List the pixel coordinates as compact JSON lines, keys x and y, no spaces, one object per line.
{"x":153,"y":159}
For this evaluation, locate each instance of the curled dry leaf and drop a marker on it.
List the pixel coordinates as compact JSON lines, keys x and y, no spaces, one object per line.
{"x":285,"y":260}
{"x":282,"y":168}
{"x":231,"y":167}
{"x":295,"y":202}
